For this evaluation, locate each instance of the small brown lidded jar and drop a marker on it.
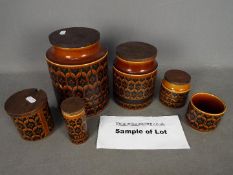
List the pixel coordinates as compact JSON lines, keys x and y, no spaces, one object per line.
{"x":31,"y":114}
{"x":78,"y":67}
{"x":134,"y":74}
{"x":74,"y":114}
{"x":175,"y":88}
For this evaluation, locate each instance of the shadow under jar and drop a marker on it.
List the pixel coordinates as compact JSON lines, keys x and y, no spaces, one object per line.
{"x":78,"y":67}
{"x":205,"y":111}
{"x":175,"y":88}
{"x":134,"y":74}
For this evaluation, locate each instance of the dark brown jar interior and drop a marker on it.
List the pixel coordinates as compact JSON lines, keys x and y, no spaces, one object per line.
{"x":208,"y":103}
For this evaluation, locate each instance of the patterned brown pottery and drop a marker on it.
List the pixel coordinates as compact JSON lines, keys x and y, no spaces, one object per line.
{"x":73,"y":110}
{"x":30,"y":112}
{"x":78,"y":67}
{"x":175,"y":88}
{"x":134,"y":74}
{"x":204,"y":112}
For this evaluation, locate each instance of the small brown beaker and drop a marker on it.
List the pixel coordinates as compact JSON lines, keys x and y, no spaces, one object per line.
{"x":205,"y":111}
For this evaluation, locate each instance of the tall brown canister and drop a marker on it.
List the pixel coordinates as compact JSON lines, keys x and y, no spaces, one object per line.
{"x":78,"y":67}
{"x":134,"y":74}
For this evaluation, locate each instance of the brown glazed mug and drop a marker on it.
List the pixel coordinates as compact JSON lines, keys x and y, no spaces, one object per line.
{"x":204,"y":112}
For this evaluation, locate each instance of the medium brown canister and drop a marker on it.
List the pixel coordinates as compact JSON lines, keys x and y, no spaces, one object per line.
{"x":78,"y":67}
{"x":134,"y":74}
{"x":31,"y":114}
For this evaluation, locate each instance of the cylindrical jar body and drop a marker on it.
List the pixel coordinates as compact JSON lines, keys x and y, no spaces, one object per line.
{"x":134,"y":74}
{"x":78,"y":67}
{"x":32,"y":118}
{"x":175,"y":88}
{"x":75,"y":118}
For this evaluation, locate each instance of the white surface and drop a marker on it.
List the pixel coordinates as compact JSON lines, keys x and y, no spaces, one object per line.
{"x":30,"y":99}
{"x":63,"y":32}
{"x":121,"y":132}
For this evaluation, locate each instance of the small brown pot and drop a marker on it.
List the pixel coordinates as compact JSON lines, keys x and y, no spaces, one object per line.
{"x":205,"y":111}
{"x":31,"y":114}
{"x":134,"y":74}
{"x":175,"y":88}
{"x":78,"y":67}
{"x":75,"y":117}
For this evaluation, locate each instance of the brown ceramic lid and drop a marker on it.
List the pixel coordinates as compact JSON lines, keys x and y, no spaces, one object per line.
{"x":136,"y":51}
{"x":136,"y":58}
{"x":72,"y":105}
{"x":25,"y":101}
{"x":74,"y":37}
{"x":177,"y":77}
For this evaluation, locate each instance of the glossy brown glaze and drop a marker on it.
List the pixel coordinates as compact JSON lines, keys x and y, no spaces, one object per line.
{"x":136,"y":68}
{"x":72,"y":105}
{"x":73,"y":110}
{"x":205,"y":111}
{"x":136,"y":58}
{"x":171,"y":98}
{"x":134,"y":74}
{"x":208,"y":103}
{"x":80,"y":71}
{"x":32,"y":119}
{"x":75,"y":56}
{"x":74,"y":37}
{"x":133,"y":91}
{"x":175,"y":88}
{"x":18,"y":105}
{"x":178,"y":77}
{"x":136,"y":51}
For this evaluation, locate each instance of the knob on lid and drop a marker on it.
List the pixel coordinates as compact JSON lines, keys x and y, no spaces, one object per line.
{"x":74,"y":37}
{"x":72,"y":105}
{"x":136,"y":51}
{"x":177,"y":77}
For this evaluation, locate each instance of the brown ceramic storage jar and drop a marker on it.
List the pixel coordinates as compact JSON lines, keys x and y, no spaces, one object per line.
{"x":31,"y":114}
{"x":78,"y":67}
{"x":175,"y":88}
{"x":134,"y":74}
{"x":73,"y":111}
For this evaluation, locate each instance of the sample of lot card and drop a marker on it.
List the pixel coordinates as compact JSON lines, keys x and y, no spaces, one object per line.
{"x":122,"y":132}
